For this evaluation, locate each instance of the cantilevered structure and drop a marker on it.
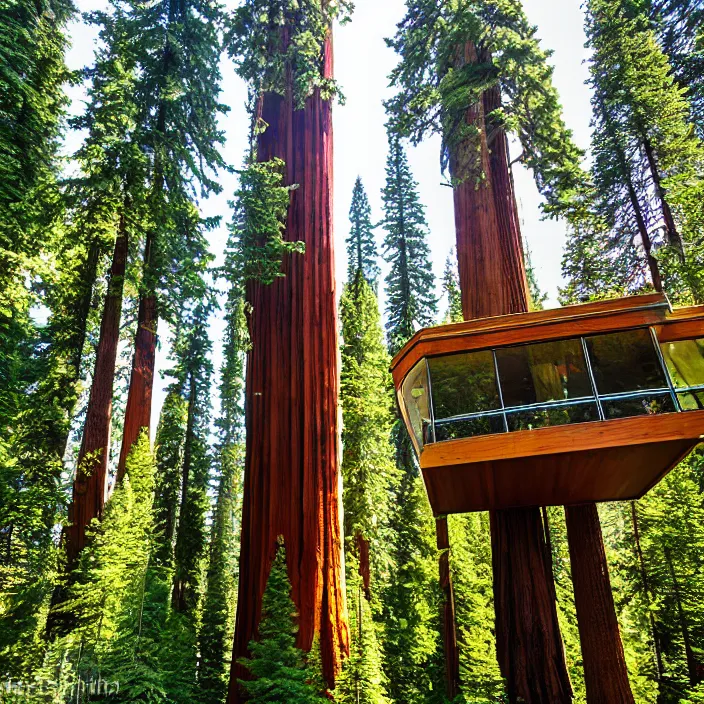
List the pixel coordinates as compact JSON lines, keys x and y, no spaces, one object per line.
{"x":586,"y":403}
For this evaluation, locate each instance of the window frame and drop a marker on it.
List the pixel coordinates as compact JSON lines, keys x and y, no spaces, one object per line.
{"x":505,"y":411}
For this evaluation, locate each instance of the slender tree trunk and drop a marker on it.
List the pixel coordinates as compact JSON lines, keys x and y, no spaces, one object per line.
{"x":180,"y":596}
{"x":139,"y":397}
{"x":673,"y":235}
{"x":627,"y":175}
{"x":493,"y":282}
{"x":291,"y":484}
{"x":452,"y":654}
{"x":605,"y":672}
{"x":684,"y":626}
{"x":647,"y":591}
{"x":90,"y":485}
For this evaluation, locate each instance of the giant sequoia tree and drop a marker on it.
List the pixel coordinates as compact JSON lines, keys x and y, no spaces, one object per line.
{"x":284,"y":51}
{"x":484,"y":74}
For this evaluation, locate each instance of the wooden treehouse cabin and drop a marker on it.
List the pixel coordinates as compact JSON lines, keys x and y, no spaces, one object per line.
{"x":593,"y":402}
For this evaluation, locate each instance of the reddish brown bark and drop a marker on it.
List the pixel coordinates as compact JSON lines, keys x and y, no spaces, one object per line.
{"x":493,"y":282}
{"x":292,"y":464}
{"x":605,"y":672}
{"x":362,"y":547}
{"x":528,"y":642}
{"x":139,"y":397}
{"x":90,"y":485}
{"x":452,"y":655}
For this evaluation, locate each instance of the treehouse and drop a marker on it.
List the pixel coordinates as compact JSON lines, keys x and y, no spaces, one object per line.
{"x":593,"y":402}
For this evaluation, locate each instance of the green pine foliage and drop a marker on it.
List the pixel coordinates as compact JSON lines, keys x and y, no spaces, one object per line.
{"x":451,"y":288}
{"x":362,"y":252}
{"x":471,"y":571}
{"x":270,"y":37}
{"x":368,"y":468}
{"x":363,"y":680}
{"x":412,"y":303}
{"x":411,"y":600}
{"x":261,"y":207}
{"x":437,"y":86}
{"x":648,"y":162}
{"x":280,"y":671}
{"x":220,"y":600}
{"x":107,"y":597}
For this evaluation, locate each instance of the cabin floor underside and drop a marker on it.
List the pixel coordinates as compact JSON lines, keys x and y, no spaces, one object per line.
{"x":607,"y":461}
{"x":611,"y":474}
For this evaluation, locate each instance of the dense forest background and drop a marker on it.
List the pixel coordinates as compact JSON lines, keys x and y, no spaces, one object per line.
{"x":130,"y":594}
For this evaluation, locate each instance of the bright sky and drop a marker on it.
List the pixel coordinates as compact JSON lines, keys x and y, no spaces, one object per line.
{"x":362,"y":64}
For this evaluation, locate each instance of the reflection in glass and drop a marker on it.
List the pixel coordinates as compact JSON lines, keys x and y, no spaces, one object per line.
{"x":549,"y":371}
{"x":463,"y":384}
{"x":691,"y":400}
{"x":469,"y":427}
{"x":625,"y":361}
{"x":544,"y":417}
{"x":643,"y":405}
{"x":416,"y":399}
{"x":685,"y":362}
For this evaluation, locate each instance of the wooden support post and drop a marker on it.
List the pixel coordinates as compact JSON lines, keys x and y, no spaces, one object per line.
{"x":452,"y":655}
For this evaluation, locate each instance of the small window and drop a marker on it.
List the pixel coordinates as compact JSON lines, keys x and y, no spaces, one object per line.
{"x":487,"y":424}
{"x":625,"y":362}
{"x":463,"y":384}
{"x":685,"y":363}
{"x":416,"y":398}
{"x":549,"y":371}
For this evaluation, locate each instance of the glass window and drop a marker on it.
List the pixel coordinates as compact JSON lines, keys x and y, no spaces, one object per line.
{"x":639,"y":405}
{"x":549,"y":371}
{"x":463,"y":384}
{"x":530,"y":419}
{"x":625,"y":361}
{"x":416,"y":399}
{"x":469,"y":427}
{"x":685,"y":362}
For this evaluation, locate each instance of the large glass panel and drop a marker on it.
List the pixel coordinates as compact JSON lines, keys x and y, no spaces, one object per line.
{"x":530,"y":419}
{"x":641,"y":405}
{"x":469,"y":427}
{"x":463,"y":384}
{"x":549,"y":371}
{"x":416,"y":398}
{"x":685,"y":362}
{"x":625,"y":361}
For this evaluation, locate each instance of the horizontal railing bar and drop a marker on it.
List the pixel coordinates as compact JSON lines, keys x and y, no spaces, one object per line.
{"x":581,"y":401}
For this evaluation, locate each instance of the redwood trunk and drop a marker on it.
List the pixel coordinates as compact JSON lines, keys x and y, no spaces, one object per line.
{"x":528,"y":642}
{"x":605,"y":672}
{"x":493,"y":282}
{"x":292,"y":463}
{"x":90,"y":485}
{"x":139,"y":397}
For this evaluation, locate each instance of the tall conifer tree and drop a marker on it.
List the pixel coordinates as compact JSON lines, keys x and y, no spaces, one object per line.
{"x":361,"y":249}
{"x":411,"y":600}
